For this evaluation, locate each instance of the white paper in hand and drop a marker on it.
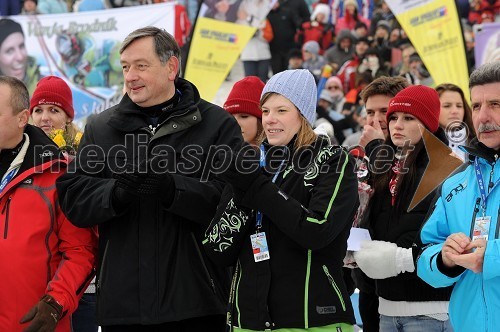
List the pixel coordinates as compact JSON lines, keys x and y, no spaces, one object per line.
{"x":357,"y":236}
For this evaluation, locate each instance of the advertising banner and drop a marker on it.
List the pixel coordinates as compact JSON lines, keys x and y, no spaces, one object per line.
{"x":434,"y":30}
{"x":223,"y":29}
{"x":215,"y":47}
{"x":83,"y":49}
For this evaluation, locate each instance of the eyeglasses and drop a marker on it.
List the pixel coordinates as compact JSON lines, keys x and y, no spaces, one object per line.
{"x":333,"y":87}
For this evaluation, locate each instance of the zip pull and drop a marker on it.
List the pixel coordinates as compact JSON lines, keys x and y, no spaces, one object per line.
{"x":6,"y":204}
{"x":490,"y":184}
{"x":153,"y":129}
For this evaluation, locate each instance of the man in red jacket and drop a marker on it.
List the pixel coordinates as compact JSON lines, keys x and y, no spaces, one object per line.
{"x":46,"y":261}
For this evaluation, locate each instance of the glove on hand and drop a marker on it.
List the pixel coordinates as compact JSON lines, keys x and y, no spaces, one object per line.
{"x":381,"y":260}
{"x":161,"y":185}
{"x":244,"y":168}
{"x":44,"y":316}
{"x":125,"y":188}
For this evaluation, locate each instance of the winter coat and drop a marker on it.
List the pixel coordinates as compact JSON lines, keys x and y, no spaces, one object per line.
{"x":337,"y":55}
{"x":152,"y":270}
{"x":347,"y":73}
{"x":284,"y":23}
{"x":456,"y":206}
{"x":307,"y":217}
{"x":319,"y":32}
{"x":41,"y":252}
{"x":386,"y":223}
{"x":348,"y":22}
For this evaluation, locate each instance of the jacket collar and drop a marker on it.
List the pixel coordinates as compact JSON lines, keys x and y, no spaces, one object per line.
{"x":41,"y":153}
{"x":127,"y":117}
{"x":477,"y":149}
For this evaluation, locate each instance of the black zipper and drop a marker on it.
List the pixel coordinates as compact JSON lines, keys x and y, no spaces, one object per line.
{"x":99,"y":280}
{"x":232,"y":297}
{"x":5,"y":210}
{"x":498,"y":224}
{"x":473,"y":222}
{"x":210,"y":279}
{"x":152,"y":130}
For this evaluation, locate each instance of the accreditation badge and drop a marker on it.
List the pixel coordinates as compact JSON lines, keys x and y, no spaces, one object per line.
{"x":481,"y":228}
{"x":259,"y":247}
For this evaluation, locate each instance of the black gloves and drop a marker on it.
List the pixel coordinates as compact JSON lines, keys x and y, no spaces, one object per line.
{"x":125,"y":190}
{"x":44,"y":316}
{"x":161,"y":185}
{"x":150,"y":179}
{"x":243,"y":168}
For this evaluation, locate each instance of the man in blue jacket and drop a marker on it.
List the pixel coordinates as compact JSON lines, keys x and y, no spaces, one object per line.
{"x":460,"y":237}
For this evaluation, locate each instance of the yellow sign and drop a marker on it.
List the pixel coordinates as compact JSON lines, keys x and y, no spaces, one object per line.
{"x":434,"y":29}
{"x":215,"y":47}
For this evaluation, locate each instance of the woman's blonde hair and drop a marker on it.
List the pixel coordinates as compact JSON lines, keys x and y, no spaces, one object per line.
{"x":306,"y":135}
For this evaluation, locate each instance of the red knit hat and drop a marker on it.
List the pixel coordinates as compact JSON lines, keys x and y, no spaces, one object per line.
{"x":419,"y":101}
{"x":52,"y":90}
{"x":245,"y":97}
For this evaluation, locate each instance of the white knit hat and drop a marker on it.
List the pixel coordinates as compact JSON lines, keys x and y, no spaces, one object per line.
{"x":321,"y":8}
{"x":299,"y":87}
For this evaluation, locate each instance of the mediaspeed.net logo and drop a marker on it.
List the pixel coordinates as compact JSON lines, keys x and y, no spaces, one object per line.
{"x":429,"y":16}
{"x":219,"y":35}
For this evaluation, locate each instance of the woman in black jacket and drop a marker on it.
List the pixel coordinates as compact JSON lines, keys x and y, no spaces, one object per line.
{"x":406,"y":303}
{"x":284,"y":219}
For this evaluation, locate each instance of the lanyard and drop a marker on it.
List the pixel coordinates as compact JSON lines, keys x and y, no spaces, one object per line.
{"x":7,"y":179}
{"x":258,"y":217}
{"x":480,"y":183}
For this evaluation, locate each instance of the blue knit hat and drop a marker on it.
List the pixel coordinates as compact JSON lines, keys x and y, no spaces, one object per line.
{"x":299,"y":87}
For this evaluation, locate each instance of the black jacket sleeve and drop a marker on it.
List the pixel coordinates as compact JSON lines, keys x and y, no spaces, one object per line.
{"x":83,"y":191}
{"x":228,"y":229}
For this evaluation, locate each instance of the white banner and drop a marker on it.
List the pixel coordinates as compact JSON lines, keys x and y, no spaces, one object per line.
{"x":83,"y":49}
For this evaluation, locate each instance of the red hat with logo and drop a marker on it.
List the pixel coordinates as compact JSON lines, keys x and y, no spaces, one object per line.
{"x":52,"y":90}
{"x":419,"y":101}
{"x":245,"y":97}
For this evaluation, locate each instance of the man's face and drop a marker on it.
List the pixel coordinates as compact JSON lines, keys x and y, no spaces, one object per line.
{"x":345,"y":43}
{"x":485,"y":100}
{"x":11,"y":125}
{"x":13,"y":56}
{"x":295,"y":63}
{"x":406,"y":54}
{"x":361,"y":48}
{"x":307,"y":55}
{"x":29,"y":5}
{"x":361,"y":32}
{"x":148,"y":82}
{"x":376,"y":109}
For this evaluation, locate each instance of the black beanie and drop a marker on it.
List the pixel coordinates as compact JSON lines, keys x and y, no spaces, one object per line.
{"x":8,"y":27}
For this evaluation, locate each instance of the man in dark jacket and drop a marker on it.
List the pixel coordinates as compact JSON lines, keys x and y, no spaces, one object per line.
{"x":285,"y":17}
{"x":143,"y":174}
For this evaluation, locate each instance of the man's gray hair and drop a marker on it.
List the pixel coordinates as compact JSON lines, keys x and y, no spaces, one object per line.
{"x":485,"y":74}
{"x":165,"y":44}
{"x":19,"y":96}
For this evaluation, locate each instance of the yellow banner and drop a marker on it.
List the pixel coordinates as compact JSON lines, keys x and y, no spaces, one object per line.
{"x":434,"y":30}
{"x":215,"y":47}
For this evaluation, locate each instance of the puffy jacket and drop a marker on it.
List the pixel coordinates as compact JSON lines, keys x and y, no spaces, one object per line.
{"x":41,"y":252}
{"x":307,"y":219}
{"x":475,"y":301}
{"x":152,"y":270}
